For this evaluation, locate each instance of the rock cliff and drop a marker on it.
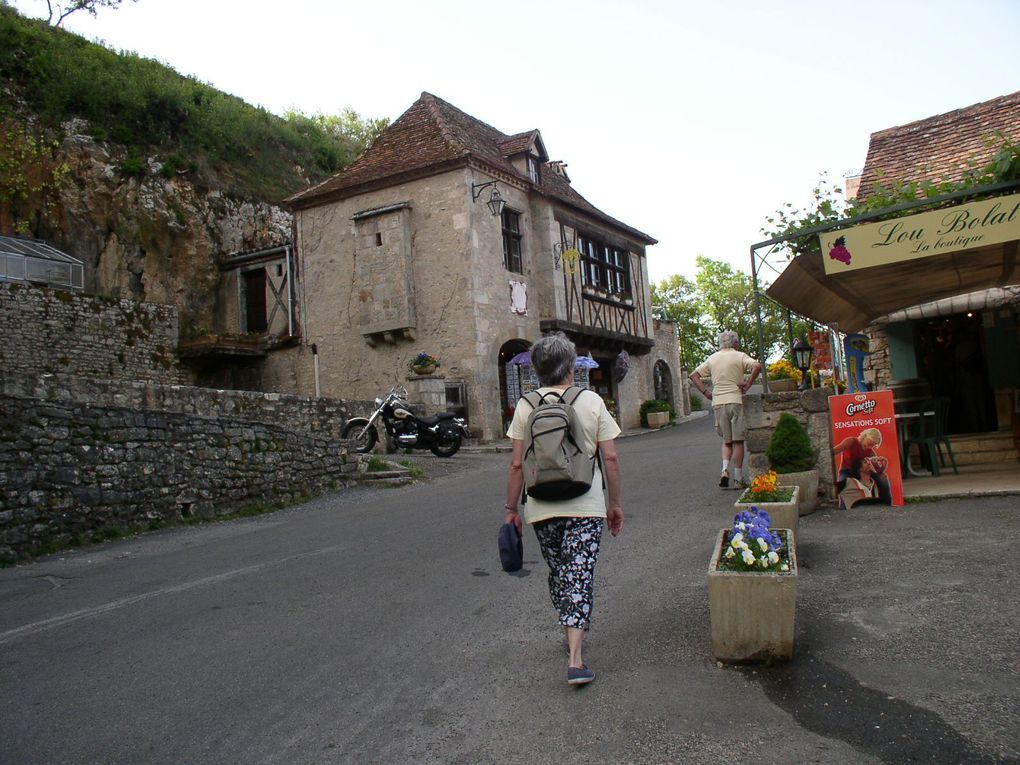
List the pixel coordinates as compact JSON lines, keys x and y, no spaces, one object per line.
{"x":152,"y":238}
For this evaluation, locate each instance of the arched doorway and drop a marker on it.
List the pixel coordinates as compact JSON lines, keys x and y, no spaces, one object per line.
{"x":509,"y":380}
{"x":662,"y":380}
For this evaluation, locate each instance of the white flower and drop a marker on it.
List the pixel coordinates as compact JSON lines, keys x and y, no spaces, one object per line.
{"x":784,"y":567}
{"x":773,"y":557}
{"x":748,"y":557}
{"x":763,"y":544}
{"x":743,"y":546}
{"x":737,"y":538}
{"x":741,"y":525}
{"x":730,"y":553}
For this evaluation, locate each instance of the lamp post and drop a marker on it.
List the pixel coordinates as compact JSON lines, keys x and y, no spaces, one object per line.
{"x":802,"y":353}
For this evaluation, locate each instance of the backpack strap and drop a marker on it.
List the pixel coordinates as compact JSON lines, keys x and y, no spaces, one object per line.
{"x":598,"y":454}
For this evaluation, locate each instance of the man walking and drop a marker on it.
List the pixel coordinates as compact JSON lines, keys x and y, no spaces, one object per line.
{"x":726,"y":369}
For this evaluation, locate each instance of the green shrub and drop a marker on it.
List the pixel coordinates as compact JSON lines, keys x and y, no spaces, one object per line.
{"x":696,"y":403}
{"x":790,"y":449}
{"x":133,"y":167}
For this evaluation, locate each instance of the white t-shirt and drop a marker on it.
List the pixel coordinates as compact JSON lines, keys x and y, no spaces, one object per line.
{"x":596,"y":425}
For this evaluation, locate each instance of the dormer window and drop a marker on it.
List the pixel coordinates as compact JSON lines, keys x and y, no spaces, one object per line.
{"x":534,"y":169}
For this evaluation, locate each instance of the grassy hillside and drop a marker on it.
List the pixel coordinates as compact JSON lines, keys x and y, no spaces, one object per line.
{"x":150,"y":109}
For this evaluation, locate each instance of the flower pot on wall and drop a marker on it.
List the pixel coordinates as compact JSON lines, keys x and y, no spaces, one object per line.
{"x":423,"y":369}
{"x":807,"y":482}
{"x":752,"y":613}
{"x":784,"y":514}
{"x":780,"y":386}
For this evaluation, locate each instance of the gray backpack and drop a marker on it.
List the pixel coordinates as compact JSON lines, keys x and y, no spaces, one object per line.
{"x":555,"y":465}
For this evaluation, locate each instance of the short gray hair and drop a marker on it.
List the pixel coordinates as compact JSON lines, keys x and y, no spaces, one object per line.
{"x":553,"y":358}
{"x":729,"y":339}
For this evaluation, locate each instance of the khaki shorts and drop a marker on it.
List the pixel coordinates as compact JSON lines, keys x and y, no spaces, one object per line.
{"x":729,"y":422}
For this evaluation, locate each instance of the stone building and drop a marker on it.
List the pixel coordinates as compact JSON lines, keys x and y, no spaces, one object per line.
{"x":452,"y":238}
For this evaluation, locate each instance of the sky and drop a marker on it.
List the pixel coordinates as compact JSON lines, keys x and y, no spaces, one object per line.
{"x":691,"y":120}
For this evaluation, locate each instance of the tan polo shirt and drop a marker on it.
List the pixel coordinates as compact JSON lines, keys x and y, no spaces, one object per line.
{"x":726,"y":369}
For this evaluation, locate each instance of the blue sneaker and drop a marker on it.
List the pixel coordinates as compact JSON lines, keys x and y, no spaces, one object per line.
{"x":579,"y":675}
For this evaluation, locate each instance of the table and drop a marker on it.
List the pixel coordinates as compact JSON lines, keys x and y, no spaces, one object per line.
{"x":903,"y":420}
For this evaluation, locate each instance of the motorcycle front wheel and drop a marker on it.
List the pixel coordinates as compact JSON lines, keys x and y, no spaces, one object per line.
{"x":362,"y":443}
{"x":446,"y":448}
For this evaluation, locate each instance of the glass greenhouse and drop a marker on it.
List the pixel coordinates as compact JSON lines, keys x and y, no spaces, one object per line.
{"x":32,"y":260}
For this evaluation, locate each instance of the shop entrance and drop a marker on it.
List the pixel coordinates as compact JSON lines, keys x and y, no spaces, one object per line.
{"x":952,"y":356}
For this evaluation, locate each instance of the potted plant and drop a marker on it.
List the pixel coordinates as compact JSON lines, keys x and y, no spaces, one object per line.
{"x":752,"y":590}
{"x":783,"y":376}
{"x":792,"y":456}
{"x":656,"y":413}
{"x":424,"y":364}
{"x":778,"y":500}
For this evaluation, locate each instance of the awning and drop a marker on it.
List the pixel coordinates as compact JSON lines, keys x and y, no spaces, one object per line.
{"x":854,"y":299}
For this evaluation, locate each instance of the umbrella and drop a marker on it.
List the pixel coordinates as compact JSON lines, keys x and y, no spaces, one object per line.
{"x":583,"y":362}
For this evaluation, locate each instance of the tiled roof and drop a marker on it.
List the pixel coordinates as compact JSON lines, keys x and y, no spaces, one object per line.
{"x":940,"y":148}
{"x":433,"y":134}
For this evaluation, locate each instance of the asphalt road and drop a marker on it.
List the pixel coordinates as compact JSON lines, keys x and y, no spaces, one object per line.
{"x":375,"y":626}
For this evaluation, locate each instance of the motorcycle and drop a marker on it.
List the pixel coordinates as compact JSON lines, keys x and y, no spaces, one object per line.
{"x":441,"y":434}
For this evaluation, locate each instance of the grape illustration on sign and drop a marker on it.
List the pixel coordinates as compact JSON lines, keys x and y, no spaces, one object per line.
{"x":840,"y":252}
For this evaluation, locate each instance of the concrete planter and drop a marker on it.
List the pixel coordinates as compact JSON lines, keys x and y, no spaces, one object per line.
{"x":752,"y":614}
{"x":807,"y":481}
{"x":784,"y":515}
{"x":657,"y":419}
{"x":784,"y":385}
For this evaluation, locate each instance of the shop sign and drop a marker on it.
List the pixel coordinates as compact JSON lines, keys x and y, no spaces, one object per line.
{"x":864,"y":424}
{"x":964,"y":227}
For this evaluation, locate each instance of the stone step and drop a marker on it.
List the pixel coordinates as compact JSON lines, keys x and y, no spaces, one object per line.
{"x":983,"y":448}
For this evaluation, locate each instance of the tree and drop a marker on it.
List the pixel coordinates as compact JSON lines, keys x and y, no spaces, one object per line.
{"x":58,"y":12}
{"x":676,"y":299}
{"x":718,"y":299}
{"x":351,"y":131}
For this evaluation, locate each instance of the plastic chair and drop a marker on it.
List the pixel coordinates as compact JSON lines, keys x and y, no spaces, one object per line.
{"x":941,"y":409}
{"x":929,"y":432}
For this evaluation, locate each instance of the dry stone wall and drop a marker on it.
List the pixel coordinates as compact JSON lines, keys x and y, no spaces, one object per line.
{"x":72,"y":471}
{"x":52,"y":331}
{"x":320,"y":416}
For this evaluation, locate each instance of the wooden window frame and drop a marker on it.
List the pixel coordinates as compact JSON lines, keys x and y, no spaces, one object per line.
{"x":604,"y":266}
{"x":513,"y":241}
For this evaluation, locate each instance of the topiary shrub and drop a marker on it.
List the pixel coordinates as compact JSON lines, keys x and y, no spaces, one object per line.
{"x":790,"y":449}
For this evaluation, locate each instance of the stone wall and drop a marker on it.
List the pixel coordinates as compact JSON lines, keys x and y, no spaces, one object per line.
{"x":811,"y":407}
{"x":70,"y":471}
{"x":52,"y":331}
{"x":319,"y":416}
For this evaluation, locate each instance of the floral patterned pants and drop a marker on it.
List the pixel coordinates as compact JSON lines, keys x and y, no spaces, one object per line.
{"x":571,"y":546}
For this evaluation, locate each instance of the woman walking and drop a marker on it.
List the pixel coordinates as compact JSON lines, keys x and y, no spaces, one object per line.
{"x":569,"y":531}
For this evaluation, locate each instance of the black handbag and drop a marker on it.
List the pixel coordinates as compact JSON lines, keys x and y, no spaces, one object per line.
{"x":511,"y":548}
